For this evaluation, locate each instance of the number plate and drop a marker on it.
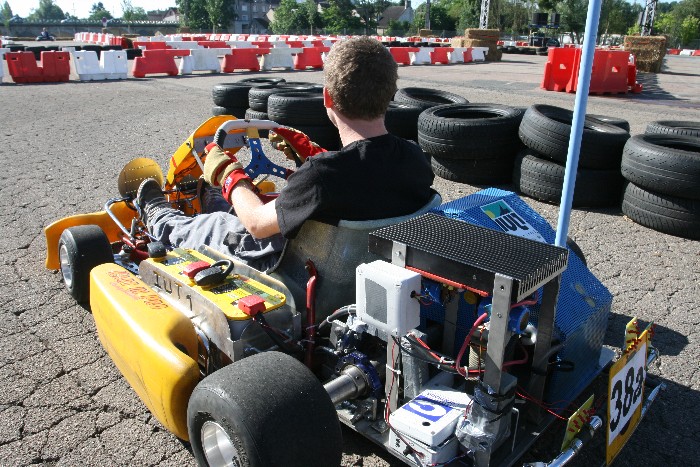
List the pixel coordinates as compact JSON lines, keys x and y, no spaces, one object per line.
{"x":625,"y":396}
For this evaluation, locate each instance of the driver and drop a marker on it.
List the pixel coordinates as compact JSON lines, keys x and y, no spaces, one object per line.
{"x":375,"y":175}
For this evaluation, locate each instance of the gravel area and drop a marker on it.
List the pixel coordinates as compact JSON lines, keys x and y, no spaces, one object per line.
{"x":62,"y":145}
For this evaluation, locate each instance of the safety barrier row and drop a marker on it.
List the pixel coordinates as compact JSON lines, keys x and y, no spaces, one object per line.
{"x":613,"y":71}
{"x":688,"y":52}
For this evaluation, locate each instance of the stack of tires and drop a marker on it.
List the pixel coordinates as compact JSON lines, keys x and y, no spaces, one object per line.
{"x":232,"y":98}
{"x":304,"y":110}
{"x":539,"y":167}
{"x":662,"y":169}
{"x":471,"y":143}
{"x":401,"y":118}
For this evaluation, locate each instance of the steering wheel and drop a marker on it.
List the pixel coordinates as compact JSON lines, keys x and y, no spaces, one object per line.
{"x":259,"y":163}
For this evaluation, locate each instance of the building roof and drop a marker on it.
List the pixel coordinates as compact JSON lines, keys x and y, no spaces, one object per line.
{"x":391,"y":13}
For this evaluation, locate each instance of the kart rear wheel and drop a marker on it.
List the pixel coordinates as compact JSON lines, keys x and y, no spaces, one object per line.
{"x":80,"y":249}
{"x":264,"y":410}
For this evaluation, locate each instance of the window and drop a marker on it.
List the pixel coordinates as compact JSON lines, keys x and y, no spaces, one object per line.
{"x":244,"y":7}
{"x":244,"y":17}
{"x":255,"y":7}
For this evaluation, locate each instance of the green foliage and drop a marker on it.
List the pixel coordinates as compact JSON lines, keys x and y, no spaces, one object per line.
{"x":515,"y":18}
{"x":98,"y":11}
{"x":690,"y":29}
{"x":398,"y":28}
{"x":289,"y":18}
{"x":131,"y":13}
{"x":6,"y":14}
{"x":47,"y":10}
{"x":440,"y":19}
{"x":681,"y":23}
{"x":312,"y":16}
{"x":338,"y":18}
{"x":220,"y":13}
{"x":194,"y":14}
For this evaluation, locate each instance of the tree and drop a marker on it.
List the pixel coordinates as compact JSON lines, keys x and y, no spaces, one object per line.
{"x":220,"y":13}
{"x":573,"y":14}
{"x":47,"y":10}
{"x":98,"y":11}
{"x":339,"y":19}
{"x":289,"y":18}
{"x":311,"y":15}
{"x":131,"y":13}
{"x":6,"y":14}
{"x":194,"y":14}
{"x":440,"y":19}
{"x":397,"y":28}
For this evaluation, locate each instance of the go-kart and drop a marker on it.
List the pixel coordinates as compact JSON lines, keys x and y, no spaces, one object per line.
{"x":47,"y":37}
{"x":453,"y":336}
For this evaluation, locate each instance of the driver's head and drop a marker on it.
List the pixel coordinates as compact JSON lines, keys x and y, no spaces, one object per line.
{"x":360,"y":76}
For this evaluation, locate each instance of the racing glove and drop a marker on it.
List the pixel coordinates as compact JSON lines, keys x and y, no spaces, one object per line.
{"x":222,"y":169}
{"x":294,"y":144}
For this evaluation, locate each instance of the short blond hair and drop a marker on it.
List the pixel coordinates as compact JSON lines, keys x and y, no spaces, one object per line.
{"x":360,"y":76}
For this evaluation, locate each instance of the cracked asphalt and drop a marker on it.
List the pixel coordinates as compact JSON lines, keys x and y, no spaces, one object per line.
{"x":63,"y":403}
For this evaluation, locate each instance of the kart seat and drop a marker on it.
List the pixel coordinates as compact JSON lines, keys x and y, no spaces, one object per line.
{"x":335,"y":251}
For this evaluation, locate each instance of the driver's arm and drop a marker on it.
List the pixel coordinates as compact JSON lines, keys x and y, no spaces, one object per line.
{"x":259,"y":219}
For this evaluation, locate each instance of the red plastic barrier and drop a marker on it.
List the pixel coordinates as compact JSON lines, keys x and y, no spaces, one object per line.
{"x":609,"y":73}
{"x":216,"y":44}
{"x":560,"y":67}
{"x":468,"y":55}
{"x":402,"y":54}
{"x":243,"y":59}
{"x":55,"y":66}
{"x":696,"y":53}
{"x":296,"y":44}
{"x":673,"y":51}
{"x":157,"y":45}
{"x":157,"y":61}
{"x":23,"y":68}
{"x":310,"y":57}
{"x":439,"y":55}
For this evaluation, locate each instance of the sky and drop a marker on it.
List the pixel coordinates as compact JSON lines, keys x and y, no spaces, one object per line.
{"x":81,"y":8}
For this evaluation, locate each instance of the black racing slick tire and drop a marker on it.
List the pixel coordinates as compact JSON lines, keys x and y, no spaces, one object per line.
{"x":298,"y":108}
{"x":231,"y":94}
{"x":263,"y":411}
{"x":426,"y":97}
{"x":664,"y":213}
{"x":402,"y":120}
{"x":80,"y":249}
{"x":251,"y":114}
{"x":473,"y":171}
{"x":258,"y":96}
{"x":672,"y":127}
{"x":543,"y":179}
{"x":262,"y":81}
{"x":470,"y":131}
{"x":666,"y":164}
{"x":547,"y":129}
{"x":618,"y":122}
{"x":238,"y":112}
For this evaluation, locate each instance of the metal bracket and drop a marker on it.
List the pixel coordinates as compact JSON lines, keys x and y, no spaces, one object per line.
{"x":398,"y":254}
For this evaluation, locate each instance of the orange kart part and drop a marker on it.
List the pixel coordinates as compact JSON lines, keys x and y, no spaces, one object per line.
{"x":152,"y":344}
{"x":101,"y":219}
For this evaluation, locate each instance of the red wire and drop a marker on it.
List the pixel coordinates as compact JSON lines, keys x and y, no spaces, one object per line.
{"x":518,"y":362}
{"x":465,"y":345}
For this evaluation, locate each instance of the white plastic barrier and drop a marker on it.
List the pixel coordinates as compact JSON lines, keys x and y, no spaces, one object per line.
{"x":240,"y":44}
{"x":114,"y":64}
{"x":457,"y":54}
{"x":280,"y":57}
{"x":422,"y":57}
{"x":184,"y":45}
{"x":86,"y":65}
{"x":688,"y":52}
{"x":2,"y":53}
{"x":202,"y":60}
{"x":479,"y":53}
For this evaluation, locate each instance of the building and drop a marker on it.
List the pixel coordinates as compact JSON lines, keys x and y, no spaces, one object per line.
{"x":395,"y":13}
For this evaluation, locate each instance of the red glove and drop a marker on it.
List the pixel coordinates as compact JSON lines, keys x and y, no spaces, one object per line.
{"x":222,"y":169}
{"x":294,"y":143}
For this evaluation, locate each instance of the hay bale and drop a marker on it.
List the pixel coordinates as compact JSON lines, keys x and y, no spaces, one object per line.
{"x":457,"y":41}
{"x":494,"y":56}
{"x":425,"y":33}
{"x":479,"y":43}
{"x":648,"y":51}
{"x":485,"y":34}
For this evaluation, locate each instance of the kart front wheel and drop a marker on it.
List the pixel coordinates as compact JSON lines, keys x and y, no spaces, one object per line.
{"x":80,"y":249}
{"x":264,"y":410}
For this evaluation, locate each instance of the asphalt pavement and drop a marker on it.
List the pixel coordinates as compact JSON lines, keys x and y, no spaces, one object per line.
{"x":62,"y":145}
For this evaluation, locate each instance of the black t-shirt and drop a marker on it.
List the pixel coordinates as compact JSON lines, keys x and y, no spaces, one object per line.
{"x":374,"y":178}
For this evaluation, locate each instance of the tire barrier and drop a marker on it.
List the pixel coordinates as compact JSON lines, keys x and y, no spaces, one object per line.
{"x":426,"y":97}
{"x":232,"y":98}
{"x":402,"y":120}
{"x":547,"y":129}
{"x":665,"y":164}
{"x":664,"y":213}
{"x":305,"y":112}
{"x":543,"y":179}
{"x":669,"y":127}
{"x":471,"y":143}
{"x":259,"y":95}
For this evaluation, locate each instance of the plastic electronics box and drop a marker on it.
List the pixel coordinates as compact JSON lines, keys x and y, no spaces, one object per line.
{"x":384,"y":297}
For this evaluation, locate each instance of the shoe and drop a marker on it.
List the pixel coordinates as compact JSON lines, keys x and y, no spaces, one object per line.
{"x":210,"y":198}
{"x":150,"y":199}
